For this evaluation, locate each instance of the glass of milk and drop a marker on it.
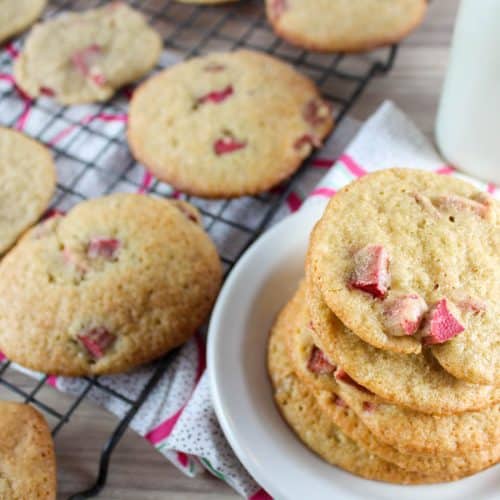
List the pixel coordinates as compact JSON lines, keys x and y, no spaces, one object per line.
{"x":468,"y":120}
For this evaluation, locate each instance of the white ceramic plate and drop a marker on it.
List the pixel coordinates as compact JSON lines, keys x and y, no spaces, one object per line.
{"x":259,"y":285}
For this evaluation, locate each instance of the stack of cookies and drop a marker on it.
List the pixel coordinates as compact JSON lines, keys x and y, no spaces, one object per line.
{"x":386,"y":361}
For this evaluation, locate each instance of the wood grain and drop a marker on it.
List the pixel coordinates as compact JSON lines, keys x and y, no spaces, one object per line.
{"x":138,"y":472}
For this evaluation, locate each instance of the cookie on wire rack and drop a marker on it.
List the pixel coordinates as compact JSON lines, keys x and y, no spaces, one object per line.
{"x":344,"y":26}
{"x":227,"y":124}
{"x":27,"y":182}
{"x":117,"y":282}
{"x":17,"y":15}
{"x":27,"y":458}
{"x":85,"y":57}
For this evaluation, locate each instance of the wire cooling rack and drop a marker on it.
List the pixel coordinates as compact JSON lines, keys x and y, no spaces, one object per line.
{"x":187,"y":30}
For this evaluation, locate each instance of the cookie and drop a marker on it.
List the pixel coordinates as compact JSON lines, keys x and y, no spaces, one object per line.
{"x":27,"y":182}
{"x":116,"y":283}
{"x":406,"y":430}
{"x":406,"y":257}
{"x":27,"y":458}
{"x":317,"y":430}
{"x":413,"y":432}
{"x":340,"y":26}
{"x":227,"y":124}
{"x":451,"y":468}
{"x":415,"y":381}
{"x":85,"y":57}
{"x":17,"y":15}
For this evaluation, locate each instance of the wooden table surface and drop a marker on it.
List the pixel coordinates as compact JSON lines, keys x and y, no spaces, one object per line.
{"x":138,"y":472}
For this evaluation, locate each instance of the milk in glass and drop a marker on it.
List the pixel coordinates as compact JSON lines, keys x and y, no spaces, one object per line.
{"x":468,"y":120}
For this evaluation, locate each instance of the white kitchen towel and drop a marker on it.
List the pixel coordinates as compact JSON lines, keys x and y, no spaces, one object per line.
{"x":178,"y":417}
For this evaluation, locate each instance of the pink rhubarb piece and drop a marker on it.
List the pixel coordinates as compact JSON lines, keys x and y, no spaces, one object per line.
{"x":84,"y":61}
{"x":106,"y":248}
{"x":342,"y":376}
{"x":217,"y":96}
{"x":214,"y":68}
{"x":404,"y":314}
{"x":369,"y":407}
{"x":227,"y":145}
{"x":441,"y":324}
{"x":97,"y":341}
{"x":318,"y":363}
{"x":461,"y":203}
{"x":306,"y":140}
{"x":371,"y":271}
{"x":315,"y":112}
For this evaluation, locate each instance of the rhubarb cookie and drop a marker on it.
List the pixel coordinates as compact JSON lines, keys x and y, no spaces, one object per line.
{"x":17,"y":15}
{"x":406,"y":257}
{"x":27,"y":458}
{"x":27,"y":182}
{"x":117,"y":282}
{"x":314,"y":426}
{"x":85,"y":57}
{"x":340,"y":26}
{"x":415,"y":381}
{"x":227,"y":124}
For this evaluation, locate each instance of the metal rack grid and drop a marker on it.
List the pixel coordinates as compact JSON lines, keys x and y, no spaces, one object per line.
{"x":187,"y":30}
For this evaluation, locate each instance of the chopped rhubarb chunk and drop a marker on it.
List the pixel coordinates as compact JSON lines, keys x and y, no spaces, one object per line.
{"x":217,"y":96}
{"x":404,"y":314}
{"x":103,"y":247}
{"x":214,"y":67}
{"x":343,"y":376}
{"x":369,"y":407}
{"x":306,"y":142}
{"x":315,"y":112}
{"x":98,"y":78}
{"x":227,"y":145}
{"x":277,"y":8}
{"x":47,"y":91}
{"x":460,"y":203}
{"x":441,"y":324}
{"x":97,"y":341}
{"x":319,"y":364}
{"x":53,"y":213}
{"x":188,"y":211}
{"x":371,"y":271}
{"x":85,"y":62}
{"x":339,"y":401}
